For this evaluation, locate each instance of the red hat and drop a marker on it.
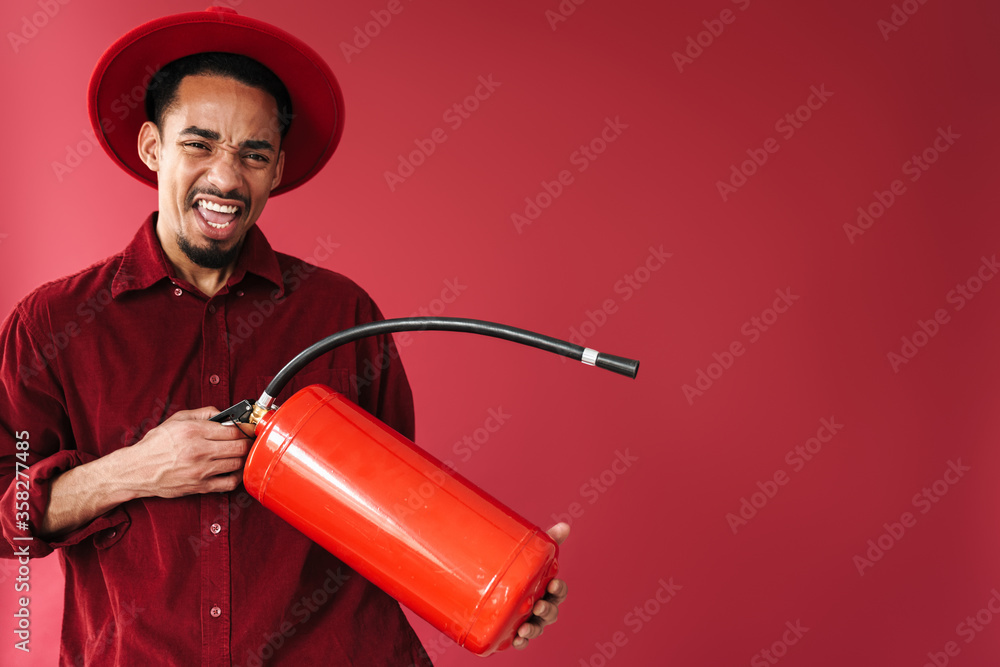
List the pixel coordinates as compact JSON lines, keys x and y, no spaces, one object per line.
{"x":118,"y":86}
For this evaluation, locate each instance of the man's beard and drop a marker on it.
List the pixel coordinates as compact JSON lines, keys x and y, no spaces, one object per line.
{"x":214,"y":256}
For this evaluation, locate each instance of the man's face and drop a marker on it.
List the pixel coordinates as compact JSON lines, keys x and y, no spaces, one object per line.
{"x":217,"y":159}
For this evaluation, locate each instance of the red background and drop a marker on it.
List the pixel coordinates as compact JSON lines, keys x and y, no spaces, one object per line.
{"x":655,"y":185}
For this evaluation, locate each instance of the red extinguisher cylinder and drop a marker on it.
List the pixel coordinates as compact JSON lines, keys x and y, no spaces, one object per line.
{"x":428,"y":537}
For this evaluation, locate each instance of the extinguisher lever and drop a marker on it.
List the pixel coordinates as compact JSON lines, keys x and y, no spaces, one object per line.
{"x":238,"y":413}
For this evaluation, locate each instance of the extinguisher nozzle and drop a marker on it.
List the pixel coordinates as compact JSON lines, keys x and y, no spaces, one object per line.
{"x":620,"y":365}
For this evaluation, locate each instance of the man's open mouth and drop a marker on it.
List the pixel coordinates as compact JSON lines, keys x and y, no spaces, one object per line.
{"x":216,"y":215}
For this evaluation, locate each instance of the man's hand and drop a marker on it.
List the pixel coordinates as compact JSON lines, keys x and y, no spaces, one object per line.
{"x":546,"y":610}
{"x":188,"y":454}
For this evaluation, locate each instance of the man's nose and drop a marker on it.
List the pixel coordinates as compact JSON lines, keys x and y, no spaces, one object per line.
{"x":226,"y":171}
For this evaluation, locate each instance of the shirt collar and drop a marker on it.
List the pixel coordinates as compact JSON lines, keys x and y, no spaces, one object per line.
{"x":144,"y":263}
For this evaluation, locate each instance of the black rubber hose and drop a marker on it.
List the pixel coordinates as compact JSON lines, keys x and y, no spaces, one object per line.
{"x":620,"y":365}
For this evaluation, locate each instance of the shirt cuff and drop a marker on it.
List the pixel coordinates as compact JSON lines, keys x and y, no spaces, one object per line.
{"x":40,"y":476}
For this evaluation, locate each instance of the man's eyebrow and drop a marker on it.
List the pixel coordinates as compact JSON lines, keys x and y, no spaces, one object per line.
{"x":212,"y":135}
{"x":201,"y":132}
{"x":257,"y":145}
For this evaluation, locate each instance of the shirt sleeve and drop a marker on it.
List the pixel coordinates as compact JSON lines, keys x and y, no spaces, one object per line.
{"x":36,"y":441}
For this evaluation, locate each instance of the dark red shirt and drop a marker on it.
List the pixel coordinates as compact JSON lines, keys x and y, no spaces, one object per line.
{"x":93,"y":361}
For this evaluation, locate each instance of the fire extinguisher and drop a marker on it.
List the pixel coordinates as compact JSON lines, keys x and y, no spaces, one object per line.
{"x":421,"y":532}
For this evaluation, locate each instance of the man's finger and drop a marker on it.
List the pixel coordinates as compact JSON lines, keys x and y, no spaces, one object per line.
{"x":546,"y":611}
{"x":556,"y":591}
{"x":231,"y":449}
{"x":559,"y":532}
{"x":204,"y":413}
{"x":529,"y":630}
{"x":223,"y":483}
{"x":214,"y":431}
{"x":226,"y":466}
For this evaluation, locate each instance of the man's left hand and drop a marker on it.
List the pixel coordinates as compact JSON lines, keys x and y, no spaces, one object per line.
{"x":545,"y":610}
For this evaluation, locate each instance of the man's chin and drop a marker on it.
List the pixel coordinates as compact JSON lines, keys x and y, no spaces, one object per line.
{"x":212,"y":255}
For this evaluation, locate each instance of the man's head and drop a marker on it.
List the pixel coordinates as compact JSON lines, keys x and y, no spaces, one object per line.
{"x":214,"y":140}
{"x":270,"y":59}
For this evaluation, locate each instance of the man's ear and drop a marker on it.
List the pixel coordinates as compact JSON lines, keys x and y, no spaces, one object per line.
{"x":149,"y":145}
{"x":278,"y":170}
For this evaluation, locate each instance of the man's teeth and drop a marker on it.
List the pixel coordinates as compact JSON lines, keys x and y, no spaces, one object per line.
{"x":217,"y":226}
{"x":218,"y":208}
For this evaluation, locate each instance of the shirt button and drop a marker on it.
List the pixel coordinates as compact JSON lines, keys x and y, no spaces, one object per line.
{"x":239,"y":293}
{"x":211,"y":309}
{"x":215,"y":612}
{"x":178,"y":291}
{"x":214,"y":379}
{"x":215,"y":528}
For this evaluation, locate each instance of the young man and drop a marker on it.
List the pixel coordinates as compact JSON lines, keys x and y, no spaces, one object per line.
{"x":168,"y":560}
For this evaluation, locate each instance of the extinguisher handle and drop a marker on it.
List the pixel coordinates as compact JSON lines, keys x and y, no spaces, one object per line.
{"x":621,"y":365}
{"x":237,"y":413}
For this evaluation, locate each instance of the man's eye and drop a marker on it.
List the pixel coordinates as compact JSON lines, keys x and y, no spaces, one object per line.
{"x":257,"y":157}
{"x":196,"y":144}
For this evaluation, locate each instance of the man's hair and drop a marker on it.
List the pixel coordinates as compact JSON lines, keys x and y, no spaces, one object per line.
{"x":162,"y":91}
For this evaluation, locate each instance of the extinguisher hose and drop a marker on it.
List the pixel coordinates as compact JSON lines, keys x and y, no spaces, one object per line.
{"x":620,"y":365}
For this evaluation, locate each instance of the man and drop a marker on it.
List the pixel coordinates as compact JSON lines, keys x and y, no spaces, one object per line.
{"x":168,"y":560}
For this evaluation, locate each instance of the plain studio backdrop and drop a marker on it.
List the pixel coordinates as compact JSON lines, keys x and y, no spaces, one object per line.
{"x":786,"y":210}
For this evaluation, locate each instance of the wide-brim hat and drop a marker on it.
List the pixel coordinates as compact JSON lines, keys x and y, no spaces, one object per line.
{"x":116,"y":96}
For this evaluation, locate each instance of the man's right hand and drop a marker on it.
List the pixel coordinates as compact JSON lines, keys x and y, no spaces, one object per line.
{"x":185,"y":455}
